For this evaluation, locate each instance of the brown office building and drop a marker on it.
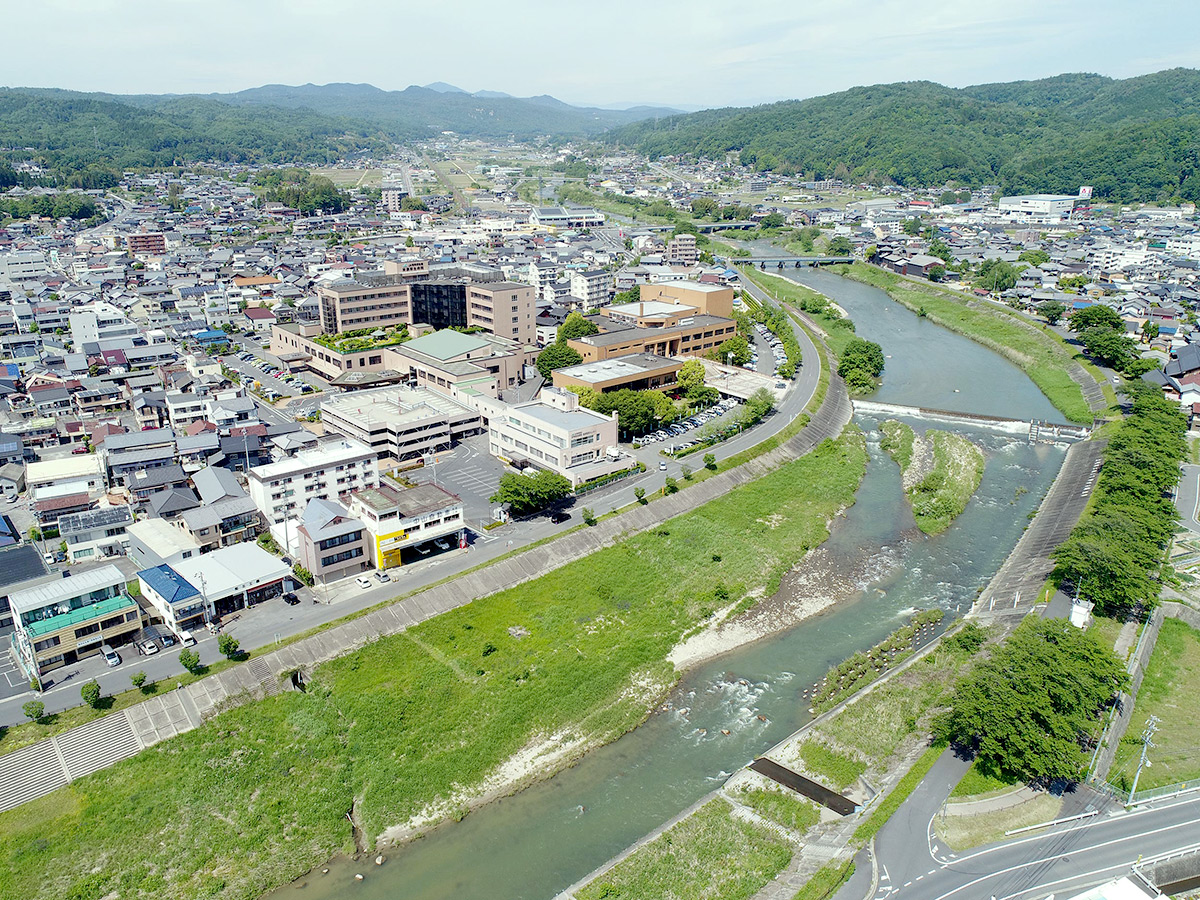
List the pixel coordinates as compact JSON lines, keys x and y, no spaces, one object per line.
{"x":661,"y":327}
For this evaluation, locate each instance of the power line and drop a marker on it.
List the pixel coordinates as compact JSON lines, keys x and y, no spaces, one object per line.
{"x":1147,"y":743}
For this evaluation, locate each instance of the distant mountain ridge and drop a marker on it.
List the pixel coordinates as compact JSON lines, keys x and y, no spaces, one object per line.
{"x":1132,"y":139}
{"x":72,"y":131}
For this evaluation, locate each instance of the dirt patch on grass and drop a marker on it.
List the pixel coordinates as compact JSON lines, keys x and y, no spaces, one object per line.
{"x":962,"y":832}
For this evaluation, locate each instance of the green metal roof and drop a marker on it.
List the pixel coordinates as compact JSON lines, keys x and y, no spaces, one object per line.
{"x":446,"y":343}
{"x":101,"y":610}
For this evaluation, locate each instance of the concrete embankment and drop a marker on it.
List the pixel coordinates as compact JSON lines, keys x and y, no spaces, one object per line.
{"x":43,"y":767}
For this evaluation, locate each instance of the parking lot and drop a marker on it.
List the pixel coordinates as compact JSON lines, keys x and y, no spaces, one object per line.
{"x":468,"y":471}
{"x":682,"y":433}
{"x":276,"y":383}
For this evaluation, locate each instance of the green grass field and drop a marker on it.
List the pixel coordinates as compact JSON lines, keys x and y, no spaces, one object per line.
{"x":259,"y":795}
{"x":708,"y":856}
{"x":780,"y":806}
{"x":839,"y":331}
{"x":1169,"y":690}
{"x":977,"y":782}
{"x":1038,"y":353}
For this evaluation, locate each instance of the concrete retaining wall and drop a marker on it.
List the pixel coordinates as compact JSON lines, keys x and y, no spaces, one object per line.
{"x":38,"y":773}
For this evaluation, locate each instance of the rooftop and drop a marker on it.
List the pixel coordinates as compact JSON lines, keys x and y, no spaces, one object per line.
{"x":446,"y":344}
{"x":326,"y":454}
{"x":409,"y":502}
{"x":57,"y":590}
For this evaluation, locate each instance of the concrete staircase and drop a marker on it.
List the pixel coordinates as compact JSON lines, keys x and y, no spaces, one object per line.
{"x":29,"y":773}
{"x":97,"y":745}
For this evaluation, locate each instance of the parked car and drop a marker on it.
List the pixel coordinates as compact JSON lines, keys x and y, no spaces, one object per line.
{"x":558,"y":517}
{"x":362,"y":582}
{"x":111,"y":658}
{"x":382,"y":577}
{"x":149,"y":647}
{"x":290,"y":598}
{"x":441,"y":544}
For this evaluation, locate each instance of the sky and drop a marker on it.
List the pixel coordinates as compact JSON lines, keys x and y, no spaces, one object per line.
{"x":690,"y":55}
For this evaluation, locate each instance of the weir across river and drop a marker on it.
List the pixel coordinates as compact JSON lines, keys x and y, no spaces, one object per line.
{"x":1035,"y":429}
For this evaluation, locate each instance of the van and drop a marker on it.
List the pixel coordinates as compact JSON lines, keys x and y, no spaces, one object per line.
{"x":111,"y":659}
{"x":185,"y":638}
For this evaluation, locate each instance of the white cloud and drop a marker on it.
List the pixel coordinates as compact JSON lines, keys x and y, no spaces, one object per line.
{"x":702,"y":53}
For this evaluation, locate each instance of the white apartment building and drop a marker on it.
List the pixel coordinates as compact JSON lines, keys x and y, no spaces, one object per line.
{"x":23,"y":265}
{"x":397,"y":520}
{"x":554,"y":432}
{"x":330,"y":471}
{"x":100,"y":321}
{"x":592,"y":287}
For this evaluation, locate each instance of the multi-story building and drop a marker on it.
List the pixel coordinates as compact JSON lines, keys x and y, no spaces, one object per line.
{"x":100,"y":321}
{"x":23,"y":265}
{"x":224,"y":523}
{"x":592,"y":288}
{"x":393,"y":194}
{"x":657,"y":327}
{"x":554,"y":432}
{"x":681,"y":250}
{"x":1038,"y":207}
{"x":62,"y":620}
{"x":504,"y":308}
{"x":457,"y":364}
{"x":146,"y":243}
{"x":400,"y":423}
{"x":97,"y":534}
{"x":398,"y":520}
{"x":637,"y":372}
{"x":332,"y":543}
{"x":332,"y":470}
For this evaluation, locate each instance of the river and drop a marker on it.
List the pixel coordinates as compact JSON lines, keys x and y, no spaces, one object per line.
{"x":540,"y":841}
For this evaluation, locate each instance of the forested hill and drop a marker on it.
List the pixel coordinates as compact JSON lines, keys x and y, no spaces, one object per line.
{"x":75,"y":133}
{"x":84,"y":138}
{"x":1134,"y":139}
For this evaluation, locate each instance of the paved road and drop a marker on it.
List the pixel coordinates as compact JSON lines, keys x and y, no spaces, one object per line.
{"x":1062,"y":860}
{"x":1187,"y":497}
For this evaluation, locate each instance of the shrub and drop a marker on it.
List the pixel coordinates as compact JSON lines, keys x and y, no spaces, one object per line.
{"x":640,"y":494}
{"x":34,"y":710}
{"x":589,"y":515}
{"x":138,"y":679}
{"x":190,"y":660}
{"x":91,"y":694}
{"x":710,"y":462}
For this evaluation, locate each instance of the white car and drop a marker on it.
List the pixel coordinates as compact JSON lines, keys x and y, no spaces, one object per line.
{"x":149,"y":647}
{"x":362,"y":582}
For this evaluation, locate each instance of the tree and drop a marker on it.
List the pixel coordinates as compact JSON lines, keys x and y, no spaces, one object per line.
{"x":525,"y":494}
{"x":138,"y":679}
{"x":1150,"y":329}
{"x":710,"y":462}
{"x":862,"y":354}
{"x":997,"y":276}
{"x":35,"y":534}
{"x":228,"y":645}
{"x":670,"y":486}
{"x":939,"y":248}
{"x":636,"y":410}
{"x":912,"y":227}
{"x":630,"y":296}
{"x":1096,"y":316}
{"x":190,"y":660}
{"x":870,"y":253}
{"x":772,"y":220}
{"x":413,"y":204}
{"x":937,"y":273}
{"x":686,"y":471}
{"x":840,"y":246}
{"x":303,"y":575}
{"x":1110,"y":348}
{"x":639,"y":494}
{"x":34,"y":710}
{"x":576,"y":326}
{"x":1034,"y":257}
{"x":91,"y":694}
{"x":556,"y":356}
{"x":1027,"y":709}
{"x":588,"y":515}
{"x":1053,"y":311}
{"x":736,"y":350}
{"x":691,"y":375}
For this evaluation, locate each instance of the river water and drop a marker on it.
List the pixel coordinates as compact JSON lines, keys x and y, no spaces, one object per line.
{"x":540,"y":841}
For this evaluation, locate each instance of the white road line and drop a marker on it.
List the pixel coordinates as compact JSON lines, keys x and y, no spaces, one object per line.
{"x":1056,"y":856}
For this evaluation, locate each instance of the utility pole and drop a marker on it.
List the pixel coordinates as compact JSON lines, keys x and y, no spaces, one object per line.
{"x":1147,"y":743}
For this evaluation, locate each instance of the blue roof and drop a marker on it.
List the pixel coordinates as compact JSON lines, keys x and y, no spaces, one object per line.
{"x":168,"y":584}
{"x":211,"y":335}
{"x":1080,"y":304}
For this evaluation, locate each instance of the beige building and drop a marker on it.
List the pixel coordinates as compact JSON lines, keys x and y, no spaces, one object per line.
{"x":400,"y":423}
{"x":554,"y":432}
{"x":660,"y":327}
{"x":637,"y":372}
{"x":706,"y":299}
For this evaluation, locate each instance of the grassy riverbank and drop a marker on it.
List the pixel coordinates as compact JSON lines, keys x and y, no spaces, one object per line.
{"x":710,"y":855}
{"x":1038,"y":353}
{"x":420,"y":724}
{"x":940,"y":472}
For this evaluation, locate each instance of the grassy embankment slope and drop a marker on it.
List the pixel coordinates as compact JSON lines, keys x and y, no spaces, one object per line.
{"x":1168,"y":691}
{"x":710,"y":855}
{"x":838,"y":330}
{"x":948,"y":470}
{"x":1038,"y":353}
{"x":415,"y":725}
